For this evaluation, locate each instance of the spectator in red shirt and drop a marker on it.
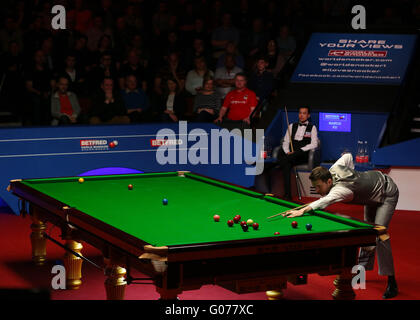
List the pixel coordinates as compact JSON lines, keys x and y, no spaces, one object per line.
{"x":65,"y":106}
{"x":81,"y":16}
{"x":240,"y":102}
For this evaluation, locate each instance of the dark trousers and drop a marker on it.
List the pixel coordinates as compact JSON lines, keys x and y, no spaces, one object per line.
{"x":37,"y":111}
{"x":135,"y":116}
{"x":235,"y":124}
{"x":164,"y":117}
{"x":204,"y":116}
{"x":285,"y":163}
{"x":64,"y":120}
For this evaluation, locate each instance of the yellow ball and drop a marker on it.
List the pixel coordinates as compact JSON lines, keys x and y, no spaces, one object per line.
{"x":81,"y":180}
{"x":250,"y":222}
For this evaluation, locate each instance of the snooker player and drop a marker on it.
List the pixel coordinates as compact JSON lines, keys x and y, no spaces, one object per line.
{"x":373,"y":189}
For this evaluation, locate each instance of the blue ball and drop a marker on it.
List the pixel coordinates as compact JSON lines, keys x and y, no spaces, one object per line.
{"x":308,"y":226}
{"x":165,"y":201}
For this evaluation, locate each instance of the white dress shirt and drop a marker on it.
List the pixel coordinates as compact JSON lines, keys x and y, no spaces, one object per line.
{"x":300,"y":132}
{"x":338,"y":192}
{"x":170,"y":102}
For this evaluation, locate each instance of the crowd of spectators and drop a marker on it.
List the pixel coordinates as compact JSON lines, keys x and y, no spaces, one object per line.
{"x":131,"y":61}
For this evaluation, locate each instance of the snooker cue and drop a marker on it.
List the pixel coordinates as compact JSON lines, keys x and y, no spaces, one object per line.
{"x":288,"y":129}
{"x":71,"y":251}
{"x":297,"y":208}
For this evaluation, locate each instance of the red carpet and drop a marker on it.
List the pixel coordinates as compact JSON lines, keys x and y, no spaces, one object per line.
{"x":18,"y":271}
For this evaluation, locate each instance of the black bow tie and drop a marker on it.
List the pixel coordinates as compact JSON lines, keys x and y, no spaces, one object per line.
{"x":303,"y":124}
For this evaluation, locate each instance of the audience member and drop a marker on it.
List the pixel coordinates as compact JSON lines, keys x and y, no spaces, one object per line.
{"x":39,"y":83}
{"x":33,"y":37}
{"x":194,"y":80}
{"x":50,"y":59}
{"x":108,"y":106}
{"x":239,"y":103}
{"x":223,"y":34}
{"x":253,"y":43}
{"x":173,"y":44}
{"x":243,"y":15}
{"x":261,"y":81}
{"x":133,"y":67}
{"x":133,"y":18}
{"x":172,"y":105}
{"x":104,"y":46}
{"x":231,"y":49}
{"x":143,"y":52}
{"x":95,"y":35}
{"x":207,"y":102}
{"x":214,"y":16}
{"x":271,"y":17}
{"x":10,"y":32}
{"x":107,"y":12}
{"x":198,"y":50}
{"x":11,"y":98}
{"x":12,"y":56}
{"x":82,"y":54}
{"x":81,"y":16}
{"x":135,"y":100}
{"x":161,"y":18}
{"x":105,"y":68}
{"x":65,"y":107}
{"x":275,"y":60}
{"x":122,"y":37}
{"x":199,"y":32}
{"x":172,"y":69}
{"x":286,"y":43}
{"x":76,"y":76}
{"x":224,"y":77}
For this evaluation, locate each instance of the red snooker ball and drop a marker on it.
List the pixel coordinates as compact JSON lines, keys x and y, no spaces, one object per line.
{"x":230,"y":223}
{"x":236,"y":219}
{"x":243,"y":223}
{"x":130,"y":187}
{"x":216,"y":218}
{"x":255,"y":225}
{"x":294,"y":224}
{"x":276,"y":233}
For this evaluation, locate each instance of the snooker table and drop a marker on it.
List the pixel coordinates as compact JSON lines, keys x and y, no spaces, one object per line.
{"x":179,"y":246}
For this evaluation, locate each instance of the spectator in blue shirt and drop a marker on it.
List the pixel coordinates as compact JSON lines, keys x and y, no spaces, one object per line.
{"x":135,"y":100}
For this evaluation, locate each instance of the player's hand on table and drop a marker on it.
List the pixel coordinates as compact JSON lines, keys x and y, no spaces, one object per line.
{"x":294,"y":213}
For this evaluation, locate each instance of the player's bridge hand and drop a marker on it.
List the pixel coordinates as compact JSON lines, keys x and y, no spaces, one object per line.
{"x":293,"y":213}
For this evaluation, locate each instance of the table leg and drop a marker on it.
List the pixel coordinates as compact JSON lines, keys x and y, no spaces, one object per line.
{"x":73,"y":265}
{"x":168,"y":294}
{"x":274,"y":294}
{"x":344,"y":289}
{"x":115,"y":283}
{"x":38,"y":241}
